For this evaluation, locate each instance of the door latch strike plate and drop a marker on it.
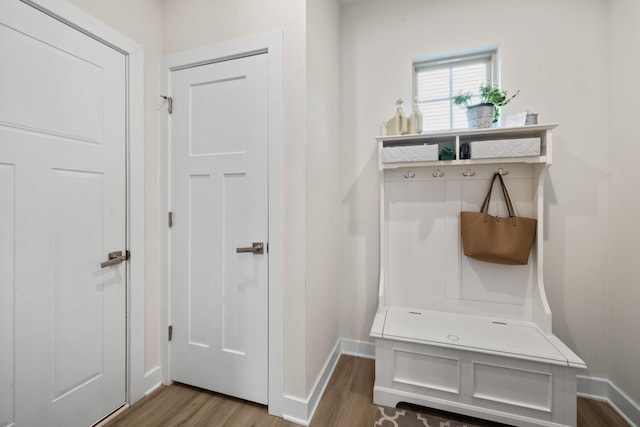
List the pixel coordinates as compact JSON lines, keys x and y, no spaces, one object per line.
{"x":170,"y":219}
{"x":170,"y":332}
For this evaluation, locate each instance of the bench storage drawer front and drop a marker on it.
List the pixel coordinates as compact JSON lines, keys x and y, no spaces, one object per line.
{"x":472,"y":383}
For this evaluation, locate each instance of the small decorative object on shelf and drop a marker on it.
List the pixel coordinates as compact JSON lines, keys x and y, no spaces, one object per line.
{"x":447,"y":153}
{"x":397,"y":125}
{"x":415,"y":119}
{"x":521,"y":119}
{"x":486,"y":112}
{"x":465,"y":151}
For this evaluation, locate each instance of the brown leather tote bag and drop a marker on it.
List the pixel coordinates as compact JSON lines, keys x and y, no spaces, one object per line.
{"x":494,"y":239}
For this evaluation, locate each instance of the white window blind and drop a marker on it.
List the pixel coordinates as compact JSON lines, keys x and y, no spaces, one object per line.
{"x":436,"y":81}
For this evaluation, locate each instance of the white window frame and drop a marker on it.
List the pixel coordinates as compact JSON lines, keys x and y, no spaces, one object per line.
{"x":448,"y":60}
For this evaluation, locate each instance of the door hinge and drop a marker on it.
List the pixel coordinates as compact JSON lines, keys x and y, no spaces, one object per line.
{"x":169,"y":103}
{"x":170,"y":219}
{"x":170,"y":332}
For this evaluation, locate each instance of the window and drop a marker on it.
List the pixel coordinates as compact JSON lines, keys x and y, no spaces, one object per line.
{"x":437,"y":80}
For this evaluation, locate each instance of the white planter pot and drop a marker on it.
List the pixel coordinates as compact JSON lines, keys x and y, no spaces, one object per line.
{"x":480,"y":116}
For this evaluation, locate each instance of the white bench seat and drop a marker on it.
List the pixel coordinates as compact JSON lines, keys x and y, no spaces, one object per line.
{"x":516,"y":339}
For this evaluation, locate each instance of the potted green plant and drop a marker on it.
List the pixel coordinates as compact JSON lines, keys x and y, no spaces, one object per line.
{"x":483,"y":114}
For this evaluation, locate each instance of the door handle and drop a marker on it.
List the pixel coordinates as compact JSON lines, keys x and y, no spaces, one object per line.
{"x":255,"y":248}
{"x":114,"y":258}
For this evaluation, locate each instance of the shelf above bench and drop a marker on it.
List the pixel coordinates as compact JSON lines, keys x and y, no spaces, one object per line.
{"x":453,"y":139}
{"x":466,"y":135}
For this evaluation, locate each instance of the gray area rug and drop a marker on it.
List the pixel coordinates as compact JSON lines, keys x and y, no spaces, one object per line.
{"x":391,"y":417}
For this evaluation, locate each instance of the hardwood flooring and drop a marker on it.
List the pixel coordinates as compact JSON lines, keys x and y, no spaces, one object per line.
{"x":592,"y":413}
{"x":347,"y":402}
{"x":183,"y":405}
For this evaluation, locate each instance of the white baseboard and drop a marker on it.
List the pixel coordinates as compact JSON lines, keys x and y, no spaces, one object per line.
{"x":300,"y":411}
{"x":296,"y":410}
{"x":152,"y":389}
{"x":323,"y":379}
{"x":604,"y":390}
{"x":152,"y":380}
{"x":362,"y":349}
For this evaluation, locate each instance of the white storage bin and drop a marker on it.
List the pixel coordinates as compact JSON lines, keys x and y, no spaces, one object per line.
{"x":410,"y":153}
{"x":519,"y":147}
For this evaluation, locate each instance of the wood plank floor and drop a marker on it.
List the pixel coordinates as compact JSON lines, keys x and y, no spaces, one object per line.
{"x":592,"y":413}
{"x":347,"y":402}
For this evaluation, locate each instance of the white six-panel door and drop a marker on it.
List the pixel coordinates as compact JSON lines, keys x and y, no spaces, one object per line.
{"x":219,"y":200}
{"x":62,"y":209}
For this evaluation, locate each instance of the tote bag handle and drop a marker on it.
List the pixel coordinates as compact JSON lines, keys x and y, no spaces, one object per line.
{"x":485,"y":205}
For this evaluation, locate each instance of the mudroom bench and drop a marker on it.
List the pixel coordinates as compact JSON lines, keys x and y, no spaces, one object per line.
{"x":451,"y":332}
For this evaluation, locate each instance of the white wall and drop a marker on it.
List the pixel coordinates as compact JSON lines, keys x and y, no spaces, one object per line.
{"x":556,"y":54}
{"x":624,"y":326}
{"x":141,"y":22}
{"x":190,"y":24}
{"x":323,"y":250}
{"x":311,"y":178}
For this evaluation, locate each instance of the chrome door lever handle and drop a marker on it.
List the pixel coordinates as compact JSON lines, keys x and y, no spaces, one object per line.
{"x":114,"y":258}
{"x":255,"y":248}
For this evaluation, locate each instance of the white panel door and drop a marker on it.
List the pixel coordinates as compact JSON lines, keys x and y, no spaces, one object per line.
{"x":219,"y":201}
{"x":62,"y":209}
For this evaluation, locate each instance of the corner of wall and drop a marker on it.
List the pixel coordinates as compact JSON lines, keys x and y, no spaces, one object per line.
{"x":301,"y":411}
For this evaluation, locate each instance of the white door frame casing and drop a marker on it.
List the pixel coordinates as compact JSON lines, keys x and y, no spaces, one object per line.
{"x":271,"y":44}
{"x":138,"y":381}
